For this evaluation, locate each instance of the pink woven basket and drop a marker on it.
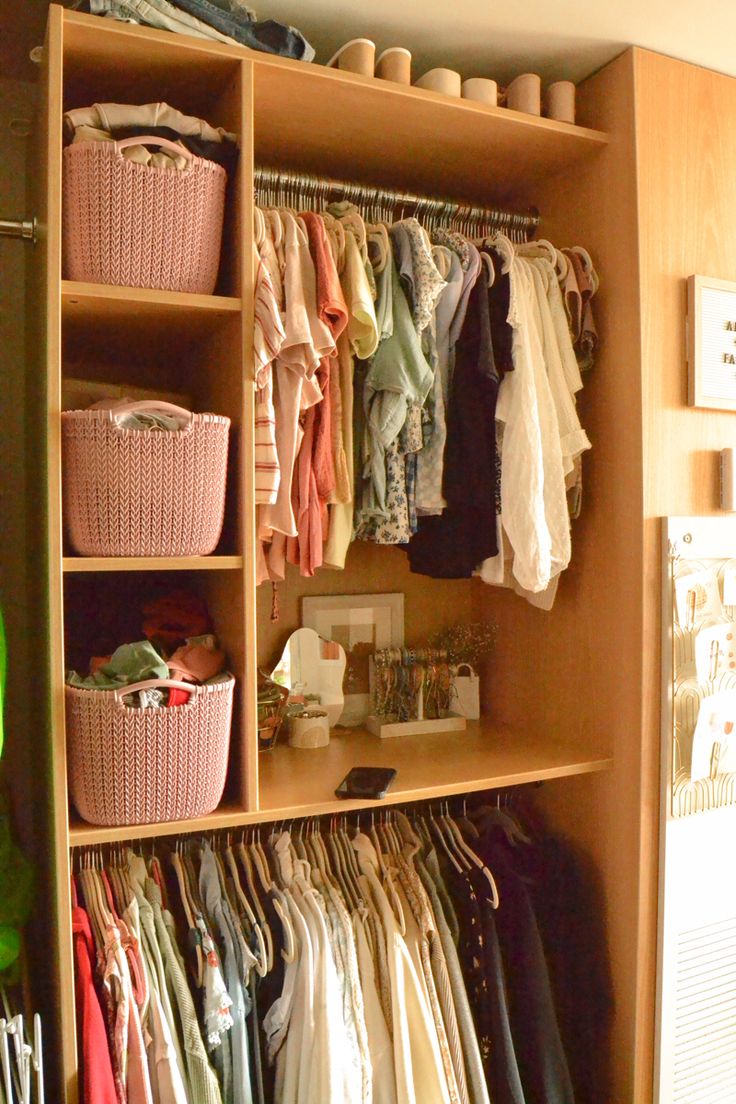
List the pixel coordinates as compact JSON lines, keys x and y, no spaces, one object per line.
{"x":141,"y":766}
{"x":130,"y":492}
{"x":141,"y":226}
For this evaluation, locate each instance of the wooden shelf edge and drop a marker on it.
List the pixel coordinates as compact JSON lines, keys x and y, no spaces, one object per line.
{"x":79,"y":564}
{"x":484,"y":757}
{"x":82,"y":834}
{"x":401,"y":796}
{"x":84,"y":294}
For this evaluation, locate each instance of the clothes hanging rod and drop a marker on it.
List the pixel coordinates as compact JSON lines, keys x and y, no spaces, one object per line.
{"x":18,"y":228}
{"x":309,"y":186}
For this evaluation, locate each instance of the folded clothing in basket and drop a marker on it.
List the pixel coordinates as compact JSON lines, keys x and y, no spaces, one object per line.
{"x":198,"y":661}
{"x":128,"y":664}
{"x":115,"y":122}
{"x":112,"y":116}
{"x":222,"y":153}
{"x":153,"y":419}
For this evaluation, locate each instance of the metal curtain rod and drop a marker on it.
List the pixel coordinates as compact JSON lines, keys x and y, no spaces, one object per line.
{"x":299,"y":186}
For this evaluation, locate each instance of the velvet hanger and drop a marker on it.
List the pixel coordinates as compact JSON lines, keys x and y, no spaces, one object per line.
{"x":178,"y":867}
{"x":377,"y":859}
{"x":251,"y":890}
{"x":261,"y":966}
{"x":474,"y":859}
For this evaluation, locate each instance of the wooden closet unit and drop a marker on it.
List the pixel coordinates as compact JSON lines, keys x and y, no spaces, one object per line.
{"x":305,"y":117}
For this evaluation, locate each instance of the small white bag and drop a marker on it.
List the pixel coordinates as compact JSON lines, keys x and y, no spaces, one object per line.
{"x":466,"y":696}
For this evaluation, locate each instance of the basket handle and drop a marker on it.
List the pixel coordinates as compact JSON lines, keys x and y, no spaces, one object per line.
{"x":150,"y":139}
{"x":155,"y":684}
{"x":149,"y":404}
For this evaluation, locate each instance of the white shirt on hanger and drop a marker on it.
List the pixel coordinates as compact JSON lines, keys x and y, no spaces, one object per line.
{"x":533,"y":498}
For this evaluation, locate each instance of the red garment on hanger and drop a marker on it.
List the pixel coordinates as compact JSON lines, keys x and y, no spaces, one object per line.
{"x":314,"y":475}
{"x":333,"y":311}
{"x":96,"y":1083}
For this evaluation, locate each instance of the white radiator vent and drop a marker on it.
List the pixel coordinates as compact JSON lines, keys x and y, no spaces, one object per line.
{"x":704,"y":1035}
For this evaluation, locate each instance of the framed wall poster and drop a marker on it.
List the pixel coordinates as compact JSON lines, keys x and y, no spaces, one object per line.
{"x":711,"y":343}
{"x":362,"y":623}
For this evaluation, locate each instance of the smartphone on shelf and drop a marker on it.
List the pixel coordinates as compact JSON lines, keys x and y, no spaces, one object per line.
{"x":366,"y":782}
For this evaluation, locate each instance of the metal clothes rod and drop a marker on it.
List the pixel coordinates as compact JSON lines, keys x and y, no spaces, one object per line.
{"x":18,"y":228}
{"x":283,"y":186}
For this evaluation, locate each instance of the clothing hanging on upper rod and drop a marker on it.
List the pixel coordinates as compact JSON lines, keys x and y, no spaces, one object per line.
{"x":416,"y":380}
{"x":380,"y":350}
{"x":281,"y":186}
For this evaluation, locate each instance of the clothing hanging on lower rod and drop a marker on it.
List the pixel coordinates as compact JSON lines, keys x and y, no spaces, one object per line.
{"x":416,"y":384}
{"x":429,"y":955}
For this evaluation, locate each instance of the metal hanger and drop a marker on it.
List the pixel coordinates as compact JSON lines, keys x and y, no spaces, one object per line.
{"x":5,"y":1061}
{"x":261,"y":963}
{"x":275,"y":187}
{"x":37,"y":1059}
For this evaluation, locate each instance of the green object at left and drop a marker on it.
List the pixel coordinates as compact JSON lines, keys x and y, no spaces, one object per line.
{"x":16,"y":877}
{"x":16,"y":873}
{"x":3,"y":677}
{"x":9,"y":946}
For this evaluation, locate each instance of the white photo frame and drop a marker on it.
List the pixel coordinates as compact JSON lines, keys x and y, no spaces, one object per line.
{"x":711,"y":343}
{"x":362,"y":623}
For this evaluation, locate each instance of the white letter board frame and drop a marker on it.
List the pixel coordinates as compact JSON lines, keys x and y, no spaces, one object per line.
{"x":711,"y":343}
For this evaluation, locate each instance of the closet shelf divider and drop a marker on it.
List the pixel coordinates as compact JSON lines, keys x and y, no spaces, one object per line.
{"x":111,"y":299}
{"x":80,"y":564}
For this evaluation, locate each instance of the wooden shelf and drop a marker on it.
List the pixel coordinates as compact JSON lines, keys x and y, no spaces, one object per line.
{"x":339,"y":124}
{"x":77,"y":564}
{"x":150,"y":334}
{"x":227,"y":816}
{"x":108,"y":300}
{"x":297,"y":782}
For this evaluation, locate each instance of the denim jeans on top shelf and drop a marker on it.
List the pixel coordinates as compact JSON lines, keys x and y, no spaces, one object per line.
{"x":159,"y":14}
{"x":268,"y":35}
{"x":205,"y":19}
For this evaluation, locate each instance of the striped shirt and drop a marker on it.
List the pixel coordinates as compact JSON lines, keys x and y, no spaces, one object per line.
{"x":268,"y":335}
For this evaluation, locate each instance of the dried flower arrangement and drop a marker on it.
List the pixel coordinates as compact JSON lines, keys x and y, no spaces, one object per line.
{"x":466,"y":643}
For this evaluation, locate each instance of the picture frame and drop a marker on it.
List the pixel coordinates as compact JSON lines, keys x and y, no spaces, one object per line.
{"x":362,"y":623}
{"x":711,"y":343}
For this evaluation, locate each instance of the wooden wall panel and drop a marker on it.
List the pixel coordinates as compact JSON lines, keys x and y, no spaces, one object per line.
{"x":577,"y":669}
{"x":687,"y":199}
{"x":368,"y":570}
